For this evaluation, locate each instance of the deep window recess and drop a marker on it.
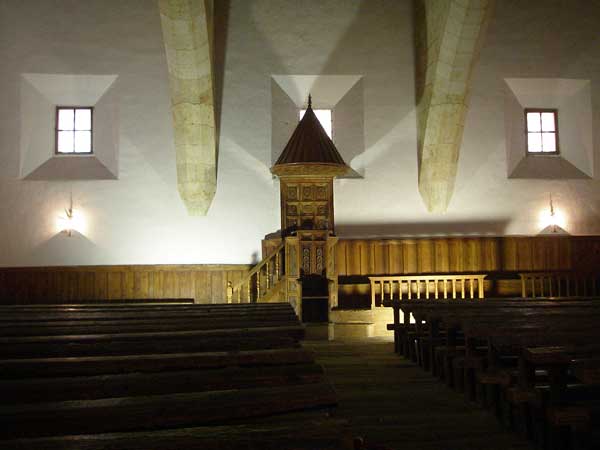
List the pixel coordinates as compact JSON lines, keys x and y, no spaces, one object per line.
{"x":541,"y":127}
{"x":73,"y":129}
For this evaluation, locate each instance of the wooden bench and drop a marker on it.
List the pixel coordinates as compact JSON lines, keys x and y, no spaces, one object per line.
{"x":494,"y":335}
{"x":69,"y":370}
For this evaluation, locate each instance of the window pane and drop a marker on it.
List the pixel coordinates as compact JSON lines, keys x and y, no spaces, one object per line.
{"x":548,"y":121}
{"x":549,"y":142}
{"x":83,"y":119}
{"x":65,"y":119}
{"x":534,"y":142}
{"x":533,"y":122}
{"x":83,"y":141}
{"x":65,"y":142}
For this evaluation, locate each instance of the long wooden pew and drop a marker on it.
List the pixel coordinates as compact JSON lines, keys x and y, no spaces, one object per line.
{"x":134,"y":370}
{"x":159,"y":411}
{"x":116,"y":325}
{"x":159,"y":342}
{"x":20,"y":368}
{"x":494,"y":348}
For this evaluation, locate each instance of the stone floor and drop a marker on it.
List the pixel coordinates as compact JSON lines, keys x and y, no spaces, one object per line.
{"x":391,"y":402}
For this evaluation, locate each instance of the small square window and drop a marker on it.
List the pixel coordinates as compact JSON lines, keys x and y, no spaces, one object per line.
{"x":324,"y":116}
{"x":73,"y":130}
{"x":541,"y":126}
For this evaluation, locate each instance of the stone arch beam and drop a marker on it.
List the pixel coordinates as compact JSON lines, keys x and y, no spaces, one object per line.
{"x":187,"y":27}
{"x":448,"y":36}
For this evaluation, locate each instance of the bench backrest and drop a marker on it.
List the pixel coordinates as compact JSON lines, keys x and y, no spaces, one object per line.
{"x":425,"y":286}
{"x":559,"y":284}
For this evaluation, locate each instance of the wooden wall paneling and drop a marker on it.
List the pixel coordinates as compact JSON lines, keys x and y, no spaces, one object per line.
{"x":585,"y":253}
{"x":86,"y":285}
{"x":59,"y":292}
{"x":14,"y":283}
{"x":66,"y":285}
{"x":425,"y":256}
{"x":340,"y":257}
{"x":3,"y":293}
{"x":101,"y":285}
{"x":201,"y":284}
{"x":115,"y":284}
{"x":158,"y":284}
{"x":365,"y":257}
{"x":380,"y":252}
{"x":32,"y":285}
{"x":396,"y":265}
{"x":564,"y":254}
{"x":184,"y":284}
{"x":524,"y":254}
{"x":141,"y":284}
{"x":217,"y":290}
{"x":168,"y":284}
{"x":472,"y":251}
{"x":72,"y":285}
{"x":441,"y":255}
{"x":508,"y":249}
{"x":491,"y":254}
{"x":150,"y":275}
{"x":409,"y":256}
{"x":234,"y":277}
{"x":455,"y":256}
{"x":354,"y":267}
{"x":128,"y":286}
{"x":539,"y":248}
{"x":354,"y":257}
{"x":18,"y":287}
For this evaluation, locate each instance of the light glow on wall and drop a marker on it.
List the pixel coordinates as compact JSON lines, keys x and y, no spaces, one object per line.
{"x":71,"y":220}
{"x":553,"y":218}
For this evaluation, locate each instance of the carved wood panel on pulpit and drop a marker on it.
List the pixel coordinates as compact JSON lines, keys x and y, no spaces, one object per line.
{"x":306,"y":204}
{"x":313,"y":249}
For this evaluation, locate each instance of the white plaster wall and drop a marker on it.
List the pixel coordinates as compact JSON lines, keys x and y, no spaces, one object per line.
{"x":139,"y":219}
{"x":537,"y":39}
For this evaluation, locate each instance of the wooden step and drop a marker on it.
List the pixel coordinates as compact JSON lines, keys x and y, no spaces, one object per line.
{"x":92,"y":365}
{"x":159,"y":411}
{"x":32,"y":317}
{"x":316,"y":432}
{"x":161,"y":304}
{"x":142,"y":325}
{"x":139,"y":343}
{"x":39,"y":390}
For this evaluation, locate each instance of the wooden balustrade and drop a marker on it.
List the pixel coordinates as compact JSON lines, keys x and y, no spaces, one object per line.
{"x":419,"y":286}
{"x":260,"y":280}
{"x":558,"y":284}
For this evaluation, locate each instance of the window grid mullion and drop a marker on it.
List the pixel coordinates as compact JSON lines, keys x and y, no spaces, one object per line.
{"x":74,"y":113}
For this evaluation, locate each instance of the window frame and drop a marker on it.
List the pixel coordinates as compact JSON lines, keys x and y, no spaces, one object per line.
{"x":555,"y":132}
{"x":56,"y":130}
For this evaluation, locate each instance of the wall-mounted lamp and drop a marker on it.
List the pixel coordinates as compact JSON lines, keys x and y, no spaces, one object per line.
{"x":552,"y":219}
{"x":72,"y":220}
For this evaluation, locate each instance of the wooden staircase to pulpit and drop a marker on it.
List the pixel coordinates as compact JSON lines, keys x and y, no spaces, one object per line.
{"x":298,"y":265}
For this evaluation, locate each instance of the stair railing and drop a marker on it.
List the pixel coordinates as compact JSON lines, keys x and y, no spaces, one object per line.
{"x":260,"y":280}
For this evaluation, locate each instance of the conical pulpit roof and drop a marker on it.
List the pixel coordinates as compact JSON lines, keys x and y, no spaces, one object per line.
{"x":310,"y":150}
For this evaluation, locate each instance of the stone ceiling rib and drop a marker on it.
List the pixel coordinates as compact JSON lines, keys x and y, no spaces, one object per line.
{"x":448,"y":38}
{"x":187,"y":34}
